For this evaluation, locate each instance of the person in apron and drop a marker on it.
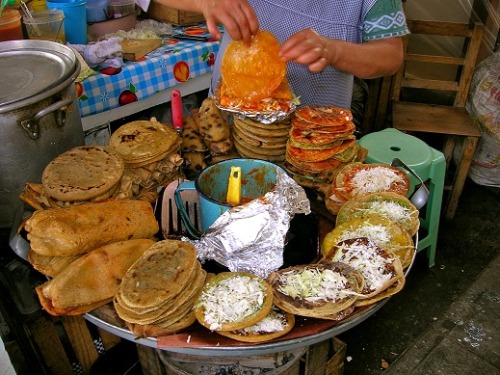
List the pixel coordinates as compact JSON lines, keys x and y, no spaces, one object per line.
{"x":325,"y":43}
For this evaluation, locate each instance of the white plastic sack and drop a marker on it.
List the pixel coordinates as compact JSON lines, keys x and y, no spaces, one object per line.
{"x":484,"y":106}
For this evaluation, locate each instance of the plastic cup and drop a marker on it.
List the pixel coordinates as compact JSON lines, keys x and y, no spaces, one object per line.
{"x":37,"y":5}
{"x":46,"y":25}
{"x":120,"y":8}
{"x":75,"y":19}
{"x":10,"y":25}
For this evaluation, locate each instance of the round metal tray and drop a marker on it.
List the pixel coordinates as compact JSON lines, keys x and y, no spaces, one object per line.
{"x":241,"y":349}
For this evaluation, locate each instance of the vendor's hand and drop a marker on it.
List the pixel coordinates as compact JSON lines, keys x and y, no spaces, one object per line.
{"x":309,"y":48}
{"x":237,"y":16}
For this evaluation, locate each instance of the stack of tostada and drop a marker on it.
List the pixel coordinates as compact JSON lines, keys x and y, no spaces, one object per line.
{"x":254,"y":139}
{"x":321,"y":140}
{"x":150,"y":151}
{"x":157,"y":293}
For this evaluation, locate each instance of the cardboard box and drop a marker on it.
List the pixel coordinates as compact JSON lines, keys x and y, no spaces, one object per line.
{"x":160,"y":12}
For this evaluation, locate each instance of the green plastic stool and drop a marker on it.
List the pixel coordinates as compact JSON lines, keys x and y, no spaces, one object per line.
{"x":385,"y":145}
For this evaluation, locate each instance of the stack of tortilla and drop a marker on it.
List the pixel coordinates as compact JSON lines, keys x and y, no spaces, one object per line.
{"x":158,"y":291}
{"x":254,"y":139}
{"x":321,"y":140}
{"x":151,"y":154}
{"x":82,"y":174}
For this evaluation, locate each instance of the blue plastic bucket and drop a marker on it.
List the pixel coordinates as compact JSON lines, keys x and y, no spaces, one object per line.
{"x":75,"y":19}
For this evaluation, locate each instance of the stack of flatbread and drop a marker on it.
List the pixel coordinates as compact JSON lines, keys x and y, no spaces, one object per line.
{"x":321,"y":140}
{"x":254,"y":139}
{"x":82,"y":174}
{"x":151,"y":154}
{"x":158,"y":291}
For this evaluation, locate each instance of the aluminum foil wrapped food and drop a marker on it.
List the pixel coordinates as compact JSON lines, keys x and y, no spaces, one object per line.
{"x":251,"y":237}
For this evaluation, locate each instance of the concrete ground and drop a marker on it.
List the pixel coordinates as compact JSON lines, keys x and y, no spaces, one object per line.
{"x":446,"y":319}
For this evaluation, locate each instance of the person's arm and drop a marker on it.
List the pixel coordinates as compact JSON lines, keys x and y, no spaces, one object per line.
{"x":371,"y":59}
{"x":237,"y":16}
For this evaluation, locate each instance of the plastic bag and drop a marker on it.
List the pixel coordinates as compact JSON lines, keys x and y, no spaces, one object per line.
{"x":484,"y":106}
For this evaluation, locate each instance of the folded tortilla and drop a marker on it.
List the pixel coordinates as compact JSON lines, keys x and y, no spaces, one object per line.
{"x":91,"y":280}
{"x":82,"y":228}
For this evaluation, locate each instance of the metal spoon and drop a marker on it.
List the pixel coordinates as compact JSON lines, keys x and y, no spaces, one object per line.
{"x":421,"y":195}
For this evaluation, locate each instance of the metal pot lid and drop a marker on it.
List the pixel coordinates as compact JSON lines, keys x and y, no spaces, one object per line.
{"x":33,"y":67}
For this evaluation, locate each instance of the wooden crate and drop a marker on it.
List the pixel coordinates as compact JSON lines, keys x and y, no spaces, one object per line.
{"x":160,"y":12}
{"x":325,"y":358}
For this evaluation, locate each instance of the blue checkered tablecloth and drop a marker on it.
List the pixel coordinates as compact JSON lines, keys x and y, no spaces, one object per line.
{"x":152,"y":74}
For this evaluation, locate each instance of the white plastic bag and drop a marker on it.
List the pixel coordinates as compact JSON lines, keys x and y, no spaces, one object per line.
{"x":484,"y":106}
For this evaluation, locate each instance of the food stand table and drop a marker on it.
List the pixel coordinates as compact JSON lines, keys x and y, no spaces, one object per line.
{"x":196,"y":344}
{"x":180,"y":64}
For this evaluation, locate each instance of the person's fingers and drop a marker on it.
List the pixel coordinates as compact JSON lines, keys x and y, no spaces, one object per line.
{"x":318,"y":65}
{"x":213,"y":29}
{"x":251,"y":17}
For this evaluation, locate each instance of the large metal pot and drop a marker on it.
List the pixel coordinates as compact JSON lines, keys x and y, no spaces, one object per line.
{"x":39,"y":115}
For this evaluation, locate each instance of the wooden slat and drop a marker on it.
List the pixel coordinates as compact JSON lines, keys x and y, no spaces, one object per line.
{"x":439,"y":28}
{"x":419,"y":117}
{"x":81,"y":340}
{"x":429,"y":84}
{"x":434,"y":59}
{"x":50,"y":347}
{"x":108,"y":339}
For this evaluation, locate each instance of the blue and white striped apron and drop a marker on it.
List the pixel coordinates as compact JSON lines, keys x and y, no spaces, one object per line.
{"x":341,"y":19}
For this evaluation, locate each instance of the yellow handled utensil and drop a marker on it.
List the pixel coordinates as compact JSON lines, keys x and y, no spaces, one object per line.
{"x":233,"y":196}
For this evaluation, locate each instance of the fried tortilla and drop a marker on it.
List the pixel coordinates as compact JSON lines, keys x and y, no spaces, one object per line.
{"x":388,"y":204}
{"x":231,"y":301}
{"x":252,"y":71}
{"x":80,"y":229}
{"x":383,"y":231}
{"x":92,"y":279}
{"x":50,"y":265}
{"x":83,"y":173}
{"x":317,"y":290}
{"x":276,"y":324}
{"x":159,"y":275}
{"x":381,"y":268}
